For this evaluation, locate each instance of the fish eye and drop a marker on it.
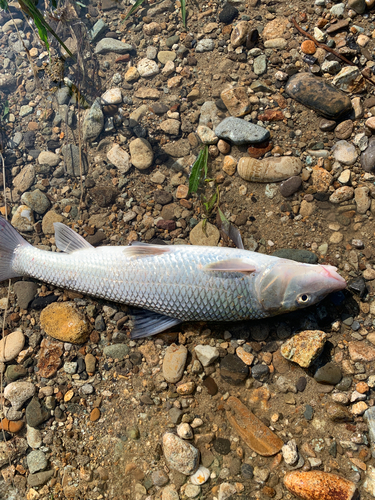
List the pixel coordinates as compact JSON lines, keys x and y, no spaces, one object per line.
{"x":304,"y":298}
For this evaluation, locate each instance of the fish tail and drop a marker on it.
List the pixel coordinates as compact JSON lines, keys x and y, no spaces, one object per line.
{"x":10,"y":239}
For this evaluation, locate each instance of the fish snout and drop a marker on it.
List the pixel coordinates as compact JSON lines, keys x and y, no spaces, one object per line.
{"x":330,"y":273}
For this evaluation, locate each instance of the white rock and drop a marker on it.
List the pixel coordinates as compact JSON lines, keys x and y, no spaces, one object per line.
{"x":201,"y":476}
{"x":120,"y":158}
{"x":17,"y":393}
{"x":168,"y":68}
{"x":184,"y":431}
{"x":206,"y":354}
{"x":112,"y":96}
{"x":290,"y":452}
{"x":48,"y":158}
{"x":147,"y":67}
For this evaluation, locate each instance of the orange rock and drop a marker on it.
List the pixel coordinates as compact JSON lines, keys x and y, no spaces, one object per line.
{"x":317,"y":485}
{"x":361,"y":387}
{"x":260,"y":149}
{"x":182,"y":191}
{"x":11,"y":426}
{"x":95,"y":415}
{"x":308,"y":47}
{"x":246,"y":357}
{"x":256,"y":435}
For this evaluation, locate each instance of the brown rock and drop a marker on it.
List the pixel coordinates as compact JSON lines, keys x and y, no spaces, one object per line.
{"x":49,"y":358}
{"x":271,"y":115}
{"x":361,"y":351}
{"x":239,"y":34}
{"x":321,"y":179}
{"x":63,"y":321}
{"x":255,"y":434}
{"x":150,"y":353}
{"x":237,"y":101}
{"x":95,"y":415}
{"x":147,"y":93}
{"x":260,"y":149}
{"x":304,"y":347}
{"x":344,"y":129}
{"x":11,"y":426}
{"x":308,"y":47}
{"x":275,"y":28}
{"x":317,"y":485}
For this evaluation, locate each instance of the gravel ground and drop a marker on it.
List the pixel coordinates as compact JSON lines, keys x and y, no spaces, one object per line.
{"x":276,"y":408}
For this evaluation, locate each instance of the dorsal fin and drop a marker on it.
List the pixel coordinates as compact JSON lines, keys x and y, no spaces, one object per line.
{"x":67,"y":240}
{"x":230,"y":266}
{"x":139,"y":249}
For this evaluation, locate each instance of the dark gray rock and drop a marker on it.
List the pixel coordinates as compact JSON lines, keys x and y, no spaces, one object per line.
{"x":25,"y":292}
{"x":222,"y":446}
{"x":71,"y":158}
{"x":228,"y":14}
{"x":36,"y":413}
{"x":317,"y":94}
{"x":259,"y":372}
{"x":328,"y":374}
{"x":290,"y":186}
{"x":233,"y":370}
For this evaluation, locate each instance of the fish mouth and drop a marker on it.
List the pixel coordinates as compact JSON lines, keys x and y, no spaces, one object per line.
{"x":331,"y":273}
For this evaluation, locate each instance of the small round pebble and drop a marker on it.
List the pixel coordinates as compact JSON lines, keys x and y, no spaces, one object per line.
{"x":159,"y":478}
{"x":36,"y":461}
{"x":95,"y":415}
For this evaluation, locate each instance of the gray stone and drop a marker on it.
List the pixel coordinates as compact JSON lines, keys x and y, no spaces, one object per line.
{"x":147,"y":67}
{"x":205,"y":45}
{"x":48,"y":158}
{"x":344,"y":152}
{"x":141,"y":154}
{"x":116,"y":351}
{"x":17,"y":393}
{"x":330,"y":373}
{"x":290,"y":186}
{"x":315,"y":93}
{"x":338,"y":10}
{"x":36,"y":413}
{"x":36,"y":461}
{"x":368,"y":156}
{"x":25,"y":110}
{"x":63,"y":95}
{"x":71,"y":159}
{"x":179,"y":454}
{"x":239,"y":131}
{"x":206,"y":354}
{"x":93,"y":122}
{"x":15,"y":372}
{"x":112,"y":45}
{"x":166,"y":55}
{"x":362,"y":199}
{"x":260,"y":65}
{"x":209,"y":114}
{"x":36,"y":200}
{"x":297,"y":255}
{"x":25,"y":179}
{"x":39,"y":478}
{"x":97,"y":30}
{"x":15,"y":141}
{"x":161,"y":7}
{"x":34,"y":437}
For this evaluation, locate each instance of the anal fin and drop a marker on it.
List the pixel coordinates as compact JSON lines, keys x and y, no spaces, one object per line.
{"x":147,"y":323}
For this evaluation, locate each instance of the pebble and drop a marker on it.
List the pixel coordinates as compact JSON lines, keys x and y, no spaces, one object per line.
{"x":236,"y":100}
{"x":37,"y":201}
{"x":23,"y":219}
{"x":192,"y":490}
{"x":290,"y":186}
{"x":185,"y":431}
{"x":107,"y":45}
{"x":179,"y":454}
{"x":25,"y":179}
{"x":316,"y":93}
{"x":147,"y":68}
{"x":40,"y":478}
{"x":17,"y":393}
{"x":347,"y":79}
{"x":116,"y":351}
{"x":36,"y":461}
{"x":49,"y":358}
{"x":93,"y":121}
{"x":226,"y":491}
{"x":290,"y":452}
{"x":368,"y":156}
{"x":174,"y":363}
{"x":120,"y":158}
{"x":233,"y":370}
{"x":329,"y":373}
{"x":239,"y":131}
{"x":206,"y":236}
{"x":255,"y":434}
{"x":63,"y":321}
{"x":34,"y":437}
{"x":362,"y":199}
{"x":272,"y":169}
{"x":169,"y":493}
{"x":304,"y":347}
{"x":11,"y":345}
{"x":344,"y":129}
{"x":341,"y":194}
{"x":48,"y":158}
{"x":159,"y":478}
{"x":141,"y":153}
{"x":230,"y":165}
{"x":369,"y":483}
{"x":170,"y":126}
{"x":228,"y":14}
{"x":206,"y":135}
{"x":205,"y":45}
{"x":206,"y":354}
{"x":72,"y":163}
{"x":295,"y":254}
{"x":344,"y":152}
{"x":112,"y":96}
{"x":312,"y":485}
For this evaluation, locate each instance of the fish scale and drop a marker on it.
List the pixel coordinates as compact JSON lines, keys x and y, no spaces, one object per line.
{"x":172,"y":284}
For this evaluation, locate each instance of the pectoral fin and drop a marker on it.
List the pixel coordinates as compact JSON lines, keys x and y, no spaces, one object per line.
{"x":231,"y":266}
{"x":147,"y":323}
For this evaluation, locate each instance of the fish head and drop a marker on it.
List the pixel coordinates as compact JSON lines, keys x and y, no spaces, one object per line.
{"x":288,"y":285}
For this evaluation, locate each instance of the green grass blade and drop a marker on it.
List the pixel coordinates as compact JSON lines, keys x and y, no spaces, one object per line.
{"x":4,"y":4}
{"x":183,"y":12}
{"x":133,"y":9}
{"x":199,"y":166}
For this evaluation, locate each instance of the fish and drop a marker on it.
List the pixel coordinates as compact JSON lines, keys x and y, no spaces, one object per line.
{"x":170,"y":284}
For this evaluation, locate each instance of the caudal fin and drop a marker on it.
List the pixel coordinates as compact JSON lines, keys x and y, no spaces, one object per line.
{"x":9,"y":241}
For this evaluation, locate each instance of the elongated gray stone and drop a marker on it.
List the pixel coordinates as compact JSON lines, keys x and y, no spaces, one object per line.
{"x":317,"y":94}
{"x":93,"y":122}
{"x":239,"y":131}
{"x":112,"y":45}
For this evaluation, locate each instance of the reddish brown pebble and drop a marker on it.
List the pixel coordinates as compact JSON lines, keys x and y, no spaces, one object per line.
{"x":268,"y":491}
{"x":256,"y":435}
{"x":211,"y":386}
{"x":272,"y":115}
{"x":95,"y":415}
{"x":308,"y":47}
{"x":10,"y":426}
{"x":317,"y":485}
{"x":260,"y":149}
{"x":124,"y":58}
{"x":167,"y":225}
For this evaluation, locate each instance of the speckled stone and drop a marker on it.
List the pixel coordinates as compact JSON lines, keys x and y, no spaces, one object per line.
{"x":36,"y":461}
{"x":179,"y":454}
{"x":314,"y":485}
{"x":304,"y":347}
{"x":239,"y":131}
{"x":316,"y":93}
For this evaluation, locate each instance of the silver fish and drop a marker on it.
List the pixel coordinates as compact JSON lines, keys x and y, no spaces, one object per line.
{"x":172,"y":283}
